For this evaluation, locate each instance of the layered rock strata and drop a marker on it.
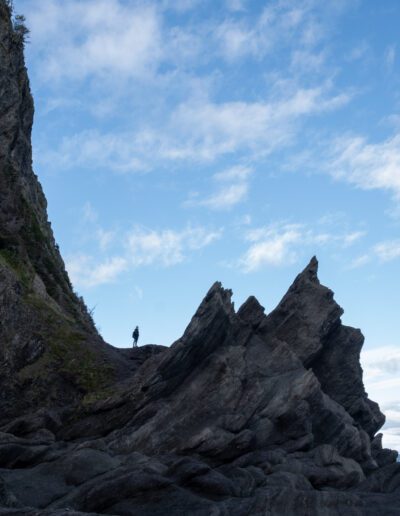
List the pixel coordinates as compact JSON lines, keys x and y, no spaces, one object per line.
{"x":246,"y":414}
{"x":228,"y":420}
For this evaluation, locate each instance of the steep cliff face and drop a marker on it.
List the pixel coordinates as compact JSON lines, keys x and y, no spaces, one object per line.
{"x":246,"y":414}
{"x":44,"y":327}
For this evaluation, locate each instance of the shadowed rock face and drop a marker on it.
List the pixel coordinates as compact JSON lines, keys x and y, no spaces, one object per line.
{"x":50,"y":351}
{"x":246,"y":414}
{"x":228,"y":420}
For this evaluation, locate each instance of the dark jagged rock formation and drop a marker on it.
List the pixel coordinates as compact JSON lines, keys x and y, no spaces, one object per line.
{"x":246,"y":414}
{"x":228,"y":420}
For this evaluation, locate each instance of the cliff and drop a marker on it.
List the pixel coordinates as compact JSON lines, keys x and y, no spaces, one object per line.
{"x":50,"y":351}
{"x":247,"y":413}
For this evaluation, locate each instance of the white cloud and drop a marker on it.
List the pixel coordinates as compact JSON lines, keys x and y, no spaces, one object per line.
{"x":391,"y":438}
{"x":274,"y":249}
{"x":211,"y":130}
{"x":380,"y":362}
{"x":388,"y":251}
{"x":367,"y":165}
{"x":350,"y":238}
{"x":55,"y":103}
{"x":278,"y":24}
{"x":360,"y":261}
{"x":197,"y":131}
{"x":84,"y":271}
{"x":236,"y":173}
{"x":78,"y":39}
{"x":140,"y":247}
{"x":280,"y":244}
{"x":382,"y":382}
{"x":236,"y":40}
{"x":383,"y":251}
{"x":204,"y":131}
{"x":167,"y":247}
{"x":119,"y":152}
{"x":234,"y":189}
{"x":117,"y":45}
{"x":227,"y":197}
{"x":95,"y":37}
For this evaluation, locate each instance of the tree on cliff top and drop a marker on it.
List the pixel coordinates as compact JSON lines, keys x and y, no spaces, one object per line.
{"x":20,"y":27}
{"x":21,"y":31}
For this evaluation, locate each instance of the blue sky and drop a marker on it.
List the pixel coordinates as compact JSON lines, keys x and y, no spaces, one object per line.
{"x":183,"y":142}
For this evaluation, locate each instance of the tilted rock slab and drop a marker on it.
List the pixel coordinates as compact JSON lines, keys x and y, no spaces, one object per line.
{"x":247,"y":414}
{"x":233,"y":419}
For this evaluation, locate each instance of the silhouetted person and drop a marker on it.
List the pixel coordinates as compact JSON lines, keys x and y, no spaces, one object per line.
{"x":135,"y":336}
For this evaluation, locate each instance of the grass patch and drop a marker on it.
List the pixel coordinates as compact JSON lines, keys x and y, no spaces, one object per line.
{"x":67,"y":353}
{"x":10,"y":258}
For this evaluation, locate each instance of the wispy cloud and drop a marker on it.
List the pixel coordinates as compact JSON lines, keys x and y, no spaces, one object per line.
{"x":226,"y":197}
{"x":198,"y":131}
{"x":120,"y":152}
{"x":140,"y":247}
{"x":388,"y":251}
{"x":203,"y":131}
{"x":384,"y":252}
{"x":360,"y":261}
{"x":280,"y":244}
{"x":167,"y":247}
{"x":278,"y":23}
{"x":233,"y":189}
{"x":236,"y":173}
{"x":368,"y":165}
{"x":271,"y":247}
{"x":85,"y":271}
{"x":130,"y":50}
{"x":95,"y":37}
{"x":380,"y":362}
{"x":133,"y":39}
{"x":381,"y":377}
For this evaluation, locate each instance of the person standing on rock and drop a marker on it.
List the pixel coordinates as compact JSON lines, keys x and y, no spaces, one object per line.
{"x":135,"y":336}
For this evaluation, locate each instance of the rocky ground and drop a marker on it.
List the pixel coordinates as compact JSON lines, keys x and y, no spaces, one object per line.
{"x":247,"y":414}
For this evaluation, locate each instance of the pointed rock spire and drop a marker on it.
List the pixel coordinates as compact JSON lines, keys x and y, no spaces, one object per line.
{"x":311,"y":271}
{"x":215,"y":307}
{"x":209,"y":329}
{"x":306,"y":314}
